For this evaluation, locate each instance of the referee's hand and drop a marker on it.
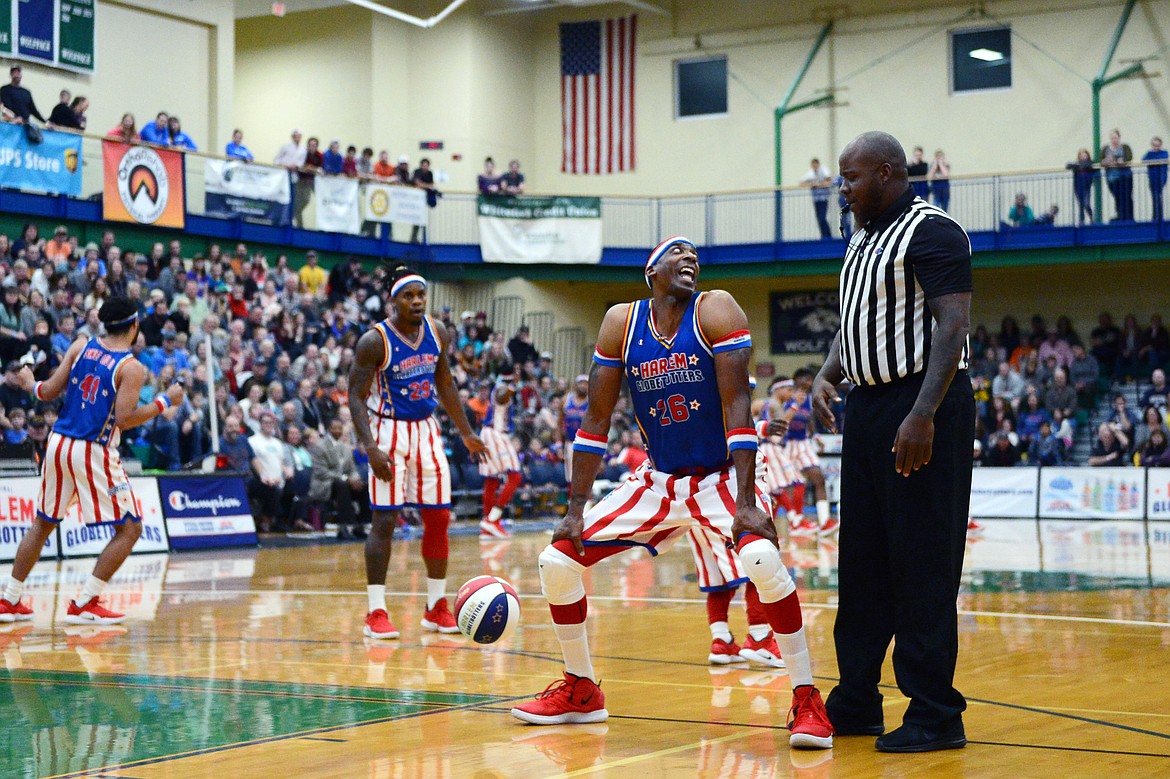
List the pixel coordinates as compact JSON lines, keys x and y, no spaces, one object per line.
{"x":824,"y":395}
{"x":913,"y":444}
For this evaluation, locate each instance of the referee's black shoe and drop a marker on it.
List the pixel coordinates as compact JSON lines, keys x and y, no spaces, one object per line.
{"x":916,"y":738}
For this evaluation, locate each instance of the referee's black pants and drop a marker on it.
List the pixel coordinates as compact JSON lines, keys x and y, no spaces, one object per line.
{"x":901,"y":556}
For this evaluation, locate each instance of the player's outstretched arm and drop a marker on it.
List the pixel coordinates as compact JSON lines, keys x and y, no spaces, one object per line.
{"x":605,"y":386}
{"x":127,"y":412}
{"x":371,"y":353}
{"x":449,"y":397}
{"x":52,"y":387}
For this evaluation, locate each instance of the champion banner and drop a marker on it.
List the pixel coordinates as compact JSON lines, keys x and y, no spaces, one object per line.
{"x":804,"y":322}
{"x":143,"y":185}
{"x":256,"y":192}
{"x":398,"y":204}
{"x":207,"y":511}
{"x":52,"y":166}
{"x":337,"y":205}
{"x":540,"y":229}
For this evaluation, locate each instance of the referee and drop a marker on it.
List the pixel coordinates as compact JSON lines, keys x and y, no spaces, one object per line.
{"x":906,"y":454}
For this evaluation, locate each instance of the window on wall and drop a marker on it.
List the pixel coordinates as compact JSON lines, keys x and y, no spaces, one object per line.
{"x":700,"y":87}
{"x":981,"y":59}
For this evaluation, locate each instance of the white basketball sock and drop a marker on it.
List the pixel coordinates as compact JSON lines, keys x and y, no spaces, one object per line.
{"x":794,"y":650}
{"x":721,"y":630}
{"x":823,"y":512}
{"x":13,"y":590}
{"x":376,"y":594}
{"x":94,"y":587}
{"x":495,"y":514}
{"x":759,"y":632}
{"x":436,"y":591}
{"x":575,"y":647}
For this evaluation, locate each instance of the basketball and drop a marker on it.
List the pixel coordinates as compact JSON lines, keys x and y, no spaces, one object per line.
{"x":487,"y":609}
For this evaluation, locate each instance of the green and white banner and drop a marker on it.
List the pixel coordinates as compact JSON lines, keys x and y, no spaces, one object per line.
{"x":540,"y":229}
{"x":57,"y":33}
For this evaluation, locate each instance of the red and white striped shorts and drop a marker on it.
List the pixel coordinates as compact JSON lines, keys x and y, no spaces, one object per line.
{"x":653,"y":509}
{"x":422,"y":476}
{"x":778,"y":471}
{"x":717,"y":566}
{"x":501,"y":456}
{"x":91,"y":474}
{"x":802,"y":454}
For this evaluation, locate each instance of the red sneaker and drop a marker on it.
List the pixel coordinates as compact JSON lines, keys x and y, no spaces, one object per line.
{"x":440,"y":618}
{"x":573,"y":699}
{"x":14,"y":612}
{"x":723,"y":653}
{"x":830,"y":527}
{"x":764,"y":651}
{"x":806,"y":528}
{"x":91,"y":613}
{"x":972,"y":527}
{"x":378,"y":625}
{"x":490,"y":529}
{"x":808,"y":720}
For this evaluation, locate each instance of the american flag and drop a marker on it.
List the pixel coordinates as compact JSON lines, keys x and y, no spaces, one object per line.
{"x":597,"y":95}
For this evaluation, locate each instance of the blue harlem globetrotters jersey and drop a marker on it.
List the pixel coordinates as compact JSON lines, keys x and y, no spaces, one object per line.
{"x":673,"y":389}
{"x":798,"y":425}
{"x":87,"y":412}
{"x":404,"y":387}
{"x":574,"y":414}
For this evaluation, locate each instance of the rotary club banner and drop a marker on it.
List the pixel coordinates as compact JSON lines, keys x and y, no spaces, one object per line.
{"x":143,"y":185}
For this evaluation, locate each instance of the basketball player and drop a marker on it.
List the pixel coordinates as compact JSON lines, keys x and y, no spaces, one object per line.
{"x":780,"y":473}
{"x":500,"y":460}
{"x":100,"y":380}
{"x":572,"y":412}
{"x":684,"y":355}
{"x":400,"y":373}
{"x":801,"y":450}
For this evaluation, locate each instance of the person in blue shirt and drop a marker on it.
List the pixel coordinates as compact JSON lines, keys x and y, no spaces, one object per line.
{"x":180,"y":139}
{"x":1156,"y":175}
{"x":157,"y":132}
{"x":333,"y":161}
{"x":236,"y":150}
{"x":63,"y":338}
{"x":169,"y":355}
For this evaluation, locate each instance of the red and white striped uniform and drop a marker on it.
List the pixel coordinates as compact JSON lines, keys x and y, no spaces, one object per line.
{"x":802,"y":453}
{"x":778,"y":472}
{"x":501,"y":456}
{"x":90,"y":473}
{"x":422,"y":476}
{"x":652,"y":509}
{"x":716,"y":566}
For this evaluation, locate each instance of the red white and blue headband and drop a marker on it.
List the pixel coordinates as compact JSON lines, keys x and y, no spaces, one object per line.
{"x":660,"y":250}
{"x":413,"y":278}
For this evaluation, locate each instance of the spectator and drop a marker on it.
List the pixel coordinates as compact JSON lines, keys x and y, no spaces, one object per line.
{"x":488,"y":182}
{"x":939,"y":177}
{"x":917,"y":169}
{"x":512,"y":182}
{"x":1156,"y":171}
{"x":1031,"y":418}
{"x":1158,"y":391}
{"x":1009,"y":385}
{"x":236,"y":150}
{"x":234,"y":448}
{"x":1083,"y":374}
{"x":1062,"y":427}
{"x":1115,"y":158}
{"x":1105,"y":343}
{"x":92,"y":327}
{"x":349,"y":165}
{"x":158,"y":132}
{"x":310,"y":410}
{"x":312,"y":164}
{"x":192,"y":420}
{"x":30,"y":235}
{"x":1155,"y":343}
{"x":292,"y":156}
{"x":1001,"y":454}
{"x":180,"y":139}
{"x":11,"y":394}
{"x":1152,"y":419}
{"x":69,"y":116}
{"x":1084,"y":175}
{"x":1129,"y":344}
{"x":126,"y":130}
{"x":335,"y":480}
{"x":63,"y":339}
{"x":331,"y":160}
{"x":425,"y":179}
{"x":365,"y":163}
{"x":1155,"y":453}
{"x":1021,"y":214}
{"x":170,"y":355}
{"x":382,"y":168}
{"x":1048,"y":218}
{"x":271,"y":468}
{"x":1061,"y":395}
{"x":521,"y":348}
{"x":18,"y":99}
{"x":1055,"y":346}
{"x":1046,"y":448}
{"x":16,"y":432}
{"x":38,"y":434}
{"x":1122,"y":419}
{"x":820,"y":180}
{"x":1110,"y":446}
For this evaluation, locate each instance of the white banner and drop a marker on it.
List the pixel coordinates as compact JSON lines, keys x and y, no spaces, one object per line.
{"x":1004,"y":492}
{"x":337,"y":205}
{"x":78,"y":540}
{"x":1092,"y":493}
{"x":1158,"y":497}
{"x":246,"y":180}
{"x":18,"y":507}
{"x":390,"y":203}
{"x":540,"y":229}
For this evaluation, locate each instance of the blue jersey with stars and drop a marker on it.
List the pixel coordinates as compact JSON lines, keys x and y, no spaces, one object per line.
{"x":404,"y":386}
{"x":87,"y":412}
{"x":673,"y":389}
{"x":798,"y":425}
{"x":574,"y":411}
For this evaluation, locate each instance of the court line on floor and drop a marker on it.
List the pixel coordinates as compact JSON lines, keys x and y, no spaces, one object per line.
{"x":1070,"y":749}
{"x":606,"y":765}
{"x":687,"y":601}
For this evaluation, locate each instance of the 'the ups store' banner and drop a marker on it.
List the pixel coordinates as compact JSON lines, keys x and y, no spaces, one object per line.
{"x":143,"y":185}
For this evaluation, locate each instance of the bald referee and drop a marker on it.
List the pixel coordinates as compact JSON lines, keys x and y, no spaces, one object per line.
{"x":906,"y":456}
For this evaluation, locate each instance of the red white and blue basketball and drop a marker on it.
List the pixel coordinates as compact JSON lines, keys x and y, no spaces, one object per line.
{"x":487,"y":609}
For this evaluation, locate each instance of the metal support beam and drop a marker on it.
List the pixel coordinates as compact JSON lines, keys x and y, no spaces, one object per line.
{"x":784,"y":108}
{"x":408,"y":18}
{"x":1099,"y":83}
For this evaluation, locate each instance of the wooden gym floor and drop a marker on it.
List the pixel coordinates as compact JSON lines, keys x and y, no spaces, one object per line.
{"x":252,"y":664}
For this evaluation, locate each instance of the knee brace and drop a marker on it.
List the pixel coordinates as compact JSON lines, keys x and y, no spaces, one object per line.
{"x":764,"y":567}
{"x":434,"y":538}
{"x":560,"y":578}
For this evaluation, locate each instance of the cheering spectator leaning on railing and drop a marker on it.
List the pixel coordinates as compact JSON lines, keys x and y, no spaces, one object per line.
{"x":126,"y":130}
{"x":69,"y":116}
{"x":18,"y":99}
{"x":236,"y":150}
{"x":1115,"y":158}
{"x":512,"y":182}
{"x":180,"y":139}
{"x":1020,"y":214}
{"x":157,"y":131}
{"x":331,"y":160}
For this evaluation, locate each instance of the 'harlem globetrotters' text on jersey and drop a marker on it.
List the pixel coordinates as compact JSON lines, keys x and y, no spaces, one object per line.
{"x":673,"y":389}
{"x":404,"y":387}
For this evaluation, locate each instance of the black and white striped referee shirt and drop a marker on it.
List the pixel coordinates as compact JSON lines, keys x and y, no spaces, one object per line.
{"x":906,"y":256}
